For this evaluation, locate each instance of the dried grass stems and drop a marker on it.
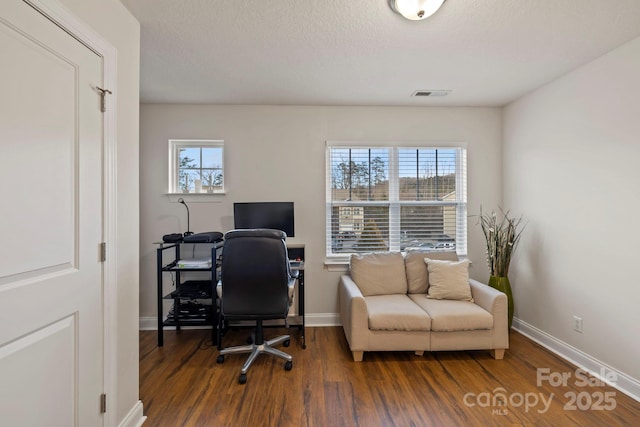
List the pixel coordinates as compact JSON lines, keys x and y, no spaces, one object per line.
{"x":502,"y":235}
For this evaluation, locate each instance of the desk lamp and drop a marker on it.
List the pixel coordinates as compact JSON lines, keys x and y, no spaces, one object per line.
{"x":186,"y":233}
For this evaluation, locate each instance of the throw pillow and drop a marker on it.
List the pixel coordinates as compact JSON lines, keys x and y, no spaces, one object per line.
{"x":448,"y":279}
{"x":416,"y":268}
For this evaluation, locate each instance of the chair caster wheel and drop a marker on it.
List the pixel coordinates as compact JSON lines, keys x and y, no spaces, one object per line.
{"x":250,"y":340}
{"x":287,"y":343}
{"x":288,"y":365}
{"x":220,"y":359}
{"x":242,"y":379}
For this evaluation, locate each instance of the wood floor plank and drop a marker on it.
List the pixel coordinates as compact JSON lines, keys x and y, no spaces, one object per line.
{"x":182,"y":385}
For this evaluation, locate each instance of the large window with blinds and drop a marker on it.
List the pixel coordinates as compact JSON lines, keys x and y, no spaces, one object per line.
{"x":395,"y":199}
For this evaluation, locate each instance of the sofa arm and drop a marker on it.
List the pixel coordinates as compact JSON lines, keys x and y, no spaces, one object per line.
{"x":487,"y":297}
{"x":495,"y":302}
{"x":353,"y":313}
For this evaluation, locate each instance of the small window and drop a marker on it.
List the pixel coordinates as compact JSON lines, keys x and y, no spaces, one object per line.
{"x":196,"y":166}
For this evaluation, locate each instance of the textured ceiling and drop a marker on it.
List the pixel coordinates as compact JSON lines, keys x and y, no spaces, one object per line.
{"x":358,"y":52}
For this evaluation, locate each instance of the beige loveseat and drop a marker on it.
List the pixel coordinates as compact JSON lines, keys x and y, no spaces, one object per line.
{"x":385,"y":305}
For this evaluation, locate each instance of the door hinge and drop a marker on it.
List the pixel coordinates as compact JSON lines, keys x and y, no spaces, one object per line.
{"x":103,"y":251}
{"x":103,"y":102}
{"x":103,"y":403}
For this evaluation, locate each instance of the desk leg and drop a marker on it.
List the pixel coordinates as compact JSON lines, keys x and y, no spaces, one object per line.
{"x":159,"y":270}
{"x":214,"y":313}
{"x":301,"y":306}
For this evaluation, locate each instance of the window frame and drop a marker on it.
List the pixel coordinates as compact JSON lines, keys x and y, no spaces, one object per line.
{"x":394,"y":202}
{"x":175,"y":145}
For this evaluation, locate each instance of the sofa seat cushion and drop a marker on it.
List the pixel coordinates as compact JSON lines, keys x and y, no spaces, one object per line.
{"x":396,"y":313}
{"x":454,"y":315}
{"x":380,"y":273}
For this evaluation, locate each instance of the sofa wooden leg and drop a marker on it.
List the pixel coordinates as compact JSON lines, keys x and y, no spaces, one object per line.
{"x":498,"y":353}
{"x":419,"y":353}
{"x":357,"y":356}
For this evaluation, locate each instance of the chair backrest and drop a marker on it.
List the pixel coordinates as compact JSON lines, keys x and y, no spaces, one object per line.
{"x":255,"y":274}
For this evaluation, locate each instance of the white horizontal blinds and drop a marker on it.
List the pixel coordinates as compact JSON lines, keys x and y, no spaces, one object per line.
{"x":428,"y":193}
{"x":359,"y":174}
{"x":359,"y":199}
{"x":461,"y":196}
{"x":423,"y":224}
{"x":427,"y":174}
{"x":395,"y":199}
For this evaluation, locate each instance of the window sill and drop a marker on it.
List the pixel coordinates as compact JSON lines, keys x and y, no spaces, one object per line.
{"x":196,"y":197}
{"x":337,"y":264}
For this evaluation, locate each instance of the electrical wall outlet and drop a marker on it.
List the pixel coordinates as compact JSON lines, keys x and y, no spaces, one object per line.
{"x":577,"y":324}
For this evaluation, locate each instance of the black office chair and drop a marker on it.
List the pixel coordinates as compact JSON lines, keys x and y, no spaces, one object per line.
{"x":256,"y":284}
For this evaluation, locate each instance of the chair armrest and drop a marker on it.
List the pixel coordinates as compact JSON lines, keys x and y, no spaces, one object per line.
{"x":292,"y":286}
{"x":353,"y":313}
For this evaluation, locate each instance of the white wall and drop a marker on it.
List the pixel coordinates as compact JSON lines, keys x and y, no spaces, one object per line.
{"x":117,"y":26}
{"x":571,"y":152}
{"x":277,"y":153}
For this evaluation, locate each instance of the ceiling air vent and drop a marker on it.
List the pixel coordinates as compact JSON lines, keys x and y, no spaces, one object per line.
{"x":431,"y":93}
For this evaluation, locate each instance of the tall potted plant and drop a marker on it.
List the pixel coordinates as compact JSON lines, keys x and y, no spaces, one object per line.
{"x":502,"y":234}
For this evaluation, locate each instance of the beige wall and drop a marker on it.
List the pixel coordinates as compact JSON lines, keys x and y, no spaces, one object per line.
{"x":117,"y":26}
{"x":571,"y":152}
{"x":277,"y":153}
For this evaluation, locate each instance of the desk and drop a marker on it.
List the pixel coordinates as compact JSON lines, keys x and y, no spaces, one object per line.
{"x":296,"y":253}
{"x":187,"y":309}
{"x":191,"y":290}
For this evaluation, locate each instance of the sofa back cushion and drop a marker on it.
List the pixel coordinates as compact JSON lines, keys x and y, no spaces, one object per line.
{"x":416,"y":269}
{"x":380,"y":273}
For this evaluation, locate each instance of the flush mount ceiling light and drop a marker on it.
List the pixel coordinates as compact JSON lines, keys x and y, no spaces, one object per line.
{"x":415,"y":10}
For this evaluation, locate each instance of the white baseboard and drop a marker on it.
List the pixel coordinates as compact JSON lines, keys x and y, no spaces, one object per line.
{"x":311,"y":320}
{"x":148,"y":323}
{"x":624,"y":383}
{"x":322,"y":319}
{"x":135,"y":417}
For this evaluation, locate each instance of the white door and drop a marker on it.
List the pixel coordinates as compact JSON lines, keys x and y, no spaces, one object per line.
{"x":51,"y":314}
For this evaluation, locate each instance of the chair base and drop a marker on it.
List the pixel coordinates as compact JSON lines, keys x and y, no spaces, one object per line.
{"x":258,"y":347}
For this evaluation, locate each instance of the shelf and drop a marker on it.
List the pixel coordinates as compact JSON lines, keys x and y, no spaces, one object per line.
{"x":193,"y":301}
{"x":174,"y":267}
{"x":191,"y":312}
{"x":188,"y":322}
{"x":192,"y":289}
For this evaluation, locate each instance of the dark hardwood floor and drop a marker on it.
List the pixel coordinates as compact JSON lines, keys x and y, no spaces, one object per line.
{"x":182,"y":385}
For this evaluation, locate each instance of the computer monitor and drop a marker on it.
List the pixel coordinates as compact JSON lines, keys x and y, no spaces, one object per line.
{"x":274,"y":215}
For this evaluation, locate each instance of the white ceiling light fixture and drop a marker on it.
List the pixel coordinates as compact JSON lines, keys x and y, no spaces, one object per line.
{"x":415,"y":10}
